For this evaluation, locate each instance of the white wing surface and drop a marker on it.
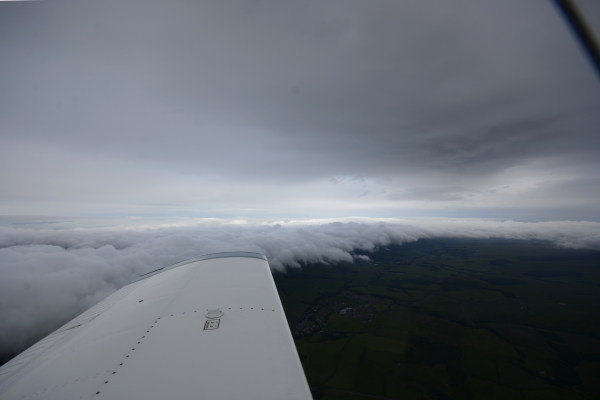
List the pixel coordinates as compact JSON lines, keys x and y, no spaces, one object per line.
{"x":208,"y":328}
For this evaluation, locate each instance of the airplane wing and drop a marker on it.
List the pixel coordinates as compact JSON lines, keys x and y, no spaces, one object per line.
{"x":208,"y":328}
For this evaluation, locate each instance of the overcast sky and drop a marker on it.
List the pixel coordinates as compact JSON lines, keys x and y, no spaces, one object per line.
{"x":271,"y":109}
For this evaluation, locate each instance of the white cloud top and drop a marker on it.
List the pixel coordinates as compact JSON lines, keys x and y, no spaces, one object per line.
{"x":52,"y":270}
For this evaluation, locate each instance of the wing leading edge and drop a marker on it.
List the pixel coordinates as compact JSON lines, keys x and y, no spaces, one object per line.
{"x":211,"y":327}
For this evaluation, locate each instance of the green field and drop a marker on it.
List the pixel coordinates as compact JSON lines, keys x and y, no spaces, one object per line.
{"x":459,"y":319}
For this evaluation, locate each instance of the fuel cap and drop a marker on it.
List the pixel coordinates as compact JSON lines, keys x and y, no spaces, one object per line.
{"x":214,"y":314}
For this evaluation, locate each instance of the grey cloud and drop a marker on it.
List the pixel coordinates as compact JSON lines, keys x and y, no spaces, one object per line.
{"x":106,"y":103}
{"x":436,"y":193}
{"x":369,"y":79}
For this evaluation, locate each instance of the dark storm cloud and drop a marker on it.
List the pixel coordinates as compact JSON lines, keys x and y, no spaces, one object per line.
{"x":266,"y":91}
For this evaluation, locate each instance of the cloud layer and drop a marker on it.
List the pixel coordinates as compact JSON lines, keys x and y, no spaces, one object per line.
{"x":262,"y":108}
{"x":52,"y":271}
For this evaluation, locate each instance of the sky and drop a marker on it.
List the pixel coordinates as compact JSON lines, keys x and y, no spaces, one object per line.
{"x":135,"y":134}
{"x":313,"y":109}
